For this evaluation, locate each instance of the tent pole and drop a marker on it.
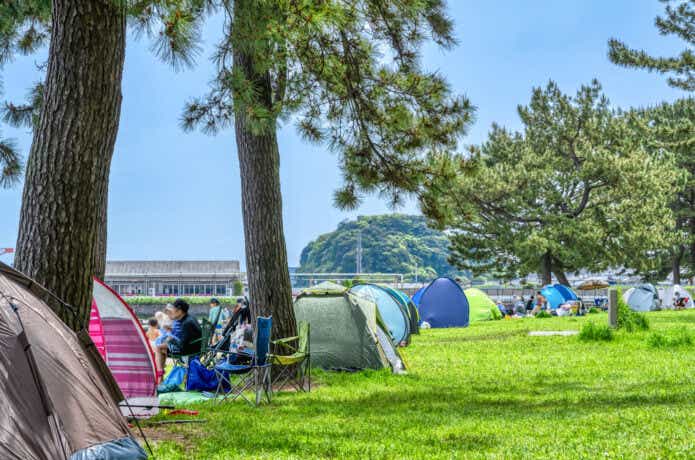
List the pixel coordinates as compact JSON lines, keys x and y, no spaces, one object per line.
{"x":31,"y":361}
{"x":137,"y":423}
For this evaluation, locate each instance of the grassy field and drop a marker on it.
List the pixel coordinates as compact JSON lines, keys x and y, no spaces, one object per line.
{"x":488,"y":391}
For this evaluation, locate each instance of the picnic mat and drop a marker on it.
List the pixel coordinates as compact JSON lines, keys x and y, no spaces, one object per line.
{"x":182,"y":398}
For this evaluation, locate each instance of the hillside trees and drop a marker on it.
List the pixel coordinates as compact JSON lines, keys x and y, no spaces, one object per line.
{"x":391,"y":243}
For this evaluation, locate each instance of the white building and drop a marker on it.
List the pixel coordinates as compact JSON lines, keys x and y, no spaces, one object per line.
{"x":173,"y":277}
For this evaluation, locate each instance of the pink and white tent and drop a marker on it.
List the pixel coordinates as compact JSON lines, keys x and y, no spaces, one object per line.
{"x":119,"y":337}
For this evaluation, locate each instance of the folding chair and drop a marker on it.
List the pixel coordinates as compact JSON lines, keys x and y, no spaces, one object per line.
{"x":255,"y":376}
{"x":295,"y":366}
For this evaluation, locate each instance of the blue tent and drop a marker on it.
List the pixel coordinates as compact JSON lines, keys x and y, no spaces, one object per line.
{"x":566,"y":292}
{"x":558,"y":294}
{"x":394,"y":314}
{"x":443,"y":304}
{"x":416,"y":297}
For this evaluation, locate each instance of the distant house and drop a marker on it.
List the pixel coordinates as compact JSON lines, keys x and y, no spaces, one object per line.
{"x":173,"y":277}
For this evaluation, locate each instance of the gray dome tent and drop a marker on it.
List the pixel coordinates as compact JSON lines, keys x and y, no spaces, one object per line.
{"x":642,"y":298}
{"x":59,"y":399}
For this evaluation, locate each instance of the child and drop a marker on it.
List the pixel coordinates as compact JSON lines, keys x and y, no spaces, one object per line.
{"x":160,"y":316}
{"x":153,"y":330}
{"x":165,"y":332}
{"x":165,"y":335}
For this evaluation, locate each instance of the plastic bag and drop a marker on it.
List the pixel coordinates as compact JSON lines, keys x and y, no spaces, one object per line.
{"x":200,"y":378}
{"x":173,"y":381}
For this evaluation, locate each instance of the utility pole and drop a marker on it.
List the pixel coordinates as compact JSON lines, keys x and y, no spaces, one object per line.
{"x":358,"y":254}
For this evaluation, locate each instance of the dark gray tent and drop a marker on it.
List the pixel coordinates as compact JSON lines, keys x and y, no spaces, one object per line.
{"x":58,"y":398}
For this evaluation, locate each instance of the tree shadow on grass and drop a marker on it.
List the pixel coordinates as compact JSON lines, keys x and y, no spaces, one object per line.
{"x":483,"y":337}
{"x":381,"y":416}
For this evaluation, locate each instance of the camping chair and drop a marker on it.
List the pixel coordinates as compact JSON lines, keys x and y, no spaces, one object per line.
{"x":295,"y":366}
{"x":255,"y":376}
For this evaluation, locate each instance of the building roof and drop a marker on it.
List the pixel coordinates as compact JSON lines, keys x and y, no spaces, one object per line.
{"x":171,"y":267}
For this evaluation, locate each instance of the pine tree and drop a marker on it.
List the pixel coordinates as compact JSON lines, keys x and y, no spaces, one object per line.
{"x":74,"y":114}
{"x":576,"y":189}
{"x":671,"y":127}
{"x":62,"y":228}
{"x":10,"y":163}
{"x":679,"y":20}
{"x":10,"y":159}
{"x":348,"y":74}
{"x":21,"y":31}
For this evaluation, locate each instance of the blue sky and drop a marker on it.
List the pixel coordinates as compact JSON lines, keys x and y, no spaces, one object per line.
{"x":175,"y":195}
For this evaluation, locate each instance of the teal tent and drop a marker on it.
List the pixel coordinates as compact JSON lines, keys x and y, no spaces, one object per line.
{"x":408,"y":304}
{"x":391,"y":310}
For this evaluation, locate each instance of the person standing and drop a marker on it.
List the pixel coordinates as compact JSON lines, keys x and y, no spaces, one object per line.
{"x":541,"y":304}
{"x":529,"y":304}
{"x":218,"y":317}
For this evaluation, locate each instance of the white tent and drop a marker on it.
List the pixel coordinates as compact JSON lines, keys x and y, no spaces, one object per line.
{"x":672,"y":293}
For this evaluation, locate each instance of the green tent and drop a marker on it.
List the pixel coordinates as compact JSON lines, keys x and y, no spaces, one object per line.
{"x":482,"y":308}
{"x":346,"y":332}
{"x":326,"y":287}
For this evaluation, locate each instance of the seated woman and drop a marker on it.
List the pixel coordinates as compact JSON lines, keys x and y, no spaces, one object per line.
{"x":185,"y":335}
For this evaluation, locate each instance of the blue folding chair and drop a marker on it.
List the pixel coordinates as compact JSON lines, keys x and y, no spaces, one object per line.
{"x":242,"y":377}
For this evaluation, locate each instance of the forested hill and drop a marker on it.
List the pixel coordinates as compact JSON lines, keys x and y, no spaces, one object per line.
{"x":391,"y":243}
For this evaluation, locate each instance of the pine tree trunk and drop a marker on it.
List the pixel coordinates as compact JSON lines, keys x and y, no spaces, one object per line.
{"x":560,"y":276}
{"x":270,"y":290}
{"x":559,"y":272}
{"x":546,"y":273}
{"x":62,"y":229}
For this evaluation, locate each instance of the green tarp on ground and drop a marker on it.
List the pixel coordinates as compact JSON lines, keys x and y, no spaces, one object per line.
{"x":182,"y":398}
{"x":482,"y":308}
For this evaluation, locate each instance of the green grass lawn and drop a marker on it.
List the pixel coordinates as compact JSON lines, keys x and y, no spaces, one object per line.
{"x":487,"y":391}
